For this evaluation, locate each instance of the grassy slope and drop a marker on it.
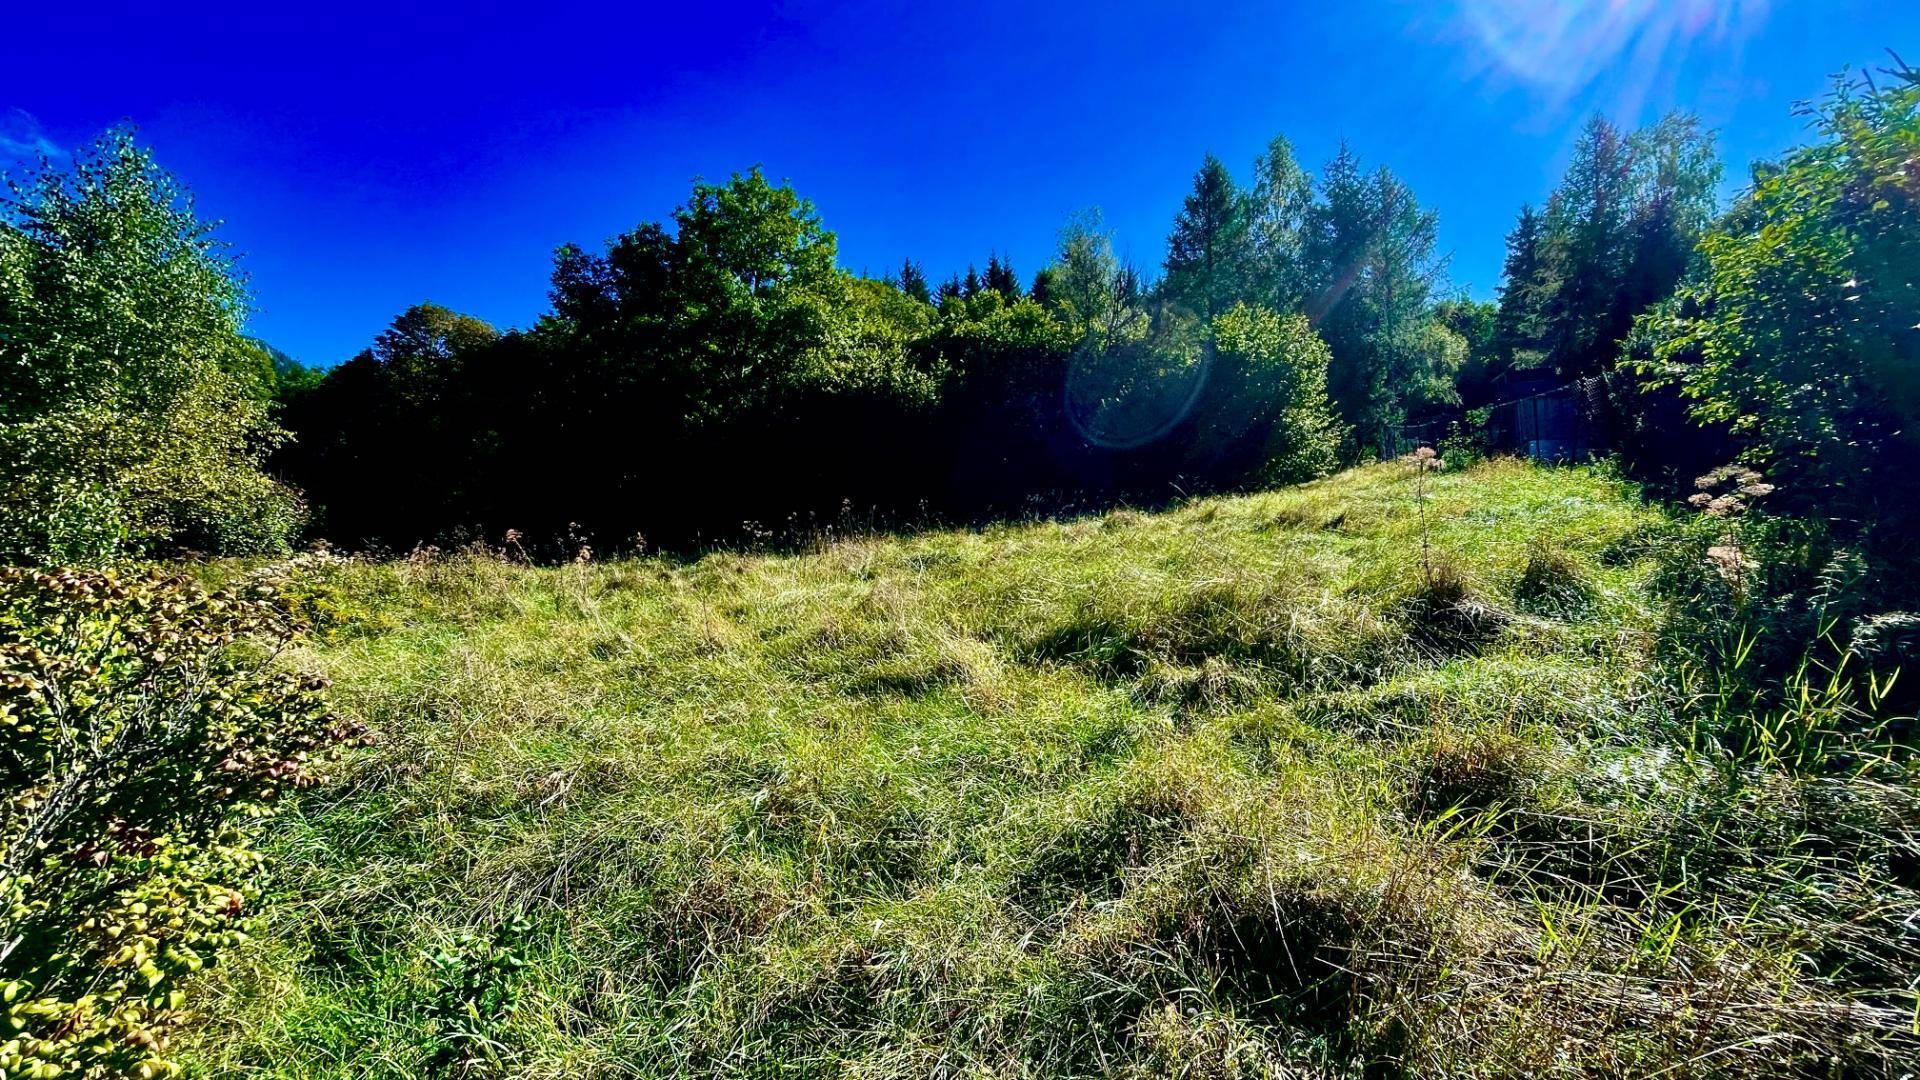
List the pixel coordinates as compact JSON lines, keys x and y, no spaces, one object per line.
{"x":1141,"y":792}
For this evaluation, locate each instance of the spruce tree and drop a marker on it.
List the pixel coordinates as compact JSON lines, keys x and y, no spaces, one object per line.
{"x":1369,"y":254}
{"x":1588,"y":219}
{"x":1001,"y":278}
{"x":1527,"y":287}
{"x":1209,"y":252}
{"x":1615,"y":239}
{"x":913,"y":282}
{"x":1041,"y":292}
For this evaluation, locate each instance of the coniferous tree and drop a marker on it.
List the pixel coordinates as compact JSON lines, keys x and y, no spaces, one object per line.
{"x":913,"y":282}
{"x":971,"y":286}
{"x":1420,"y":357}
{"x":1041,"y":292}
{"x":1087,"y":282}
{"x":1001,"y":278}
{"x":1209,"y":252}
{"x":1369,"y":251}
{"x":1615,"y":238}
{"x":1338,"y":234}
{"x":1588,"y":218}
{"x":1527,"y":286}
{"x":1676,"y":172}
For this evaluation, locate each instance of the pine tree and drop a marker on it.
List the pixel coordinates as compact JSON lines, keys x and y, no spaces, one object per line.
{"x":1337,"y":236}
{"x":1339,"y":232}
{"x":1086,"y":278}
{"x":913,"y":282}
{"x":1209,"y":252}
{"x":1527,"y":286}
{"x":1042,"y":290}
{"x":1418,"y":357}
{"x":1616,"y":237}
{"x":1369,"y":255}
{"x":970,"y":287}
{"x":1675,"y":174}
{"x":1588,"y":220}
{"x":1001,"y":278}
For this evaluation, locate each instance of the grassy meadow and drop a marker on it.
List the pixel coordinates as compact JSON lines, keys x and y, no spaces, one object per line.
{"x":1284,"y":784}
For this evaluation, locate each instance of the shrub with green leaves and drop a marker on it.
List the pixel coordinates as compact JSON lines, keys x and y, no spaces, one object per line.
{"x":1274,"y":376}
{"x":1796,"y":329}
{"x":133,"y":412}
{"x":145,"y":722}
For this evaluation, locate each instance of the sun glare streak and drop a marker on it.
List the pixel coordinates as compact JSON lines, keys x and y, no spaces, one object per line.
{"x":1559,"y":49}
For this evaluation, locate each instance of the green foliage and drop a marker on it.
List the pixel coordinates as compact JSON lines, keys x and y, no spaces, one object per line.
{"x":1797,"y":331}
{"x":913,"y":282}
{"x":1529,"y":280}
{"x":146,"y":722}
{"x":1370,"y":253}
{"x":1086,"y":286}
{"x":726,"y":379}
{"x":133,"y":413}
{"x":1279,"y":209}
{"x":1615,"y":237}
{"x":378,"y":430}
{"x":1210,"y":254}
{"x":1272,"y":372}
{"x":1001,"y":279}
{"x":477,"y":991}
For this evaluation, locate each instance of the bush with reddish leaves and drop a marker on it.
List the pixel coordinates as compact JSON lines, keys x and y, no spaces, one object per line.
{"x":143,"y":722}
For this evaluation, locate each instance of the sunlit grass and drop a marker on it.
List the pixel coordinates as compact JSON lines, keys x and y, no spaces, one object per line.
{"x":1219,"y":791}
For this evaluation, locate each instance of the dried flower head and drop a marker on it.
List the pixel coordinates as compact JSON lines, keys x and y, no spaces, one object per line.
{"x":1727,"y":490}
{"x":1425,"y":459}
{"x":1727,"y":560}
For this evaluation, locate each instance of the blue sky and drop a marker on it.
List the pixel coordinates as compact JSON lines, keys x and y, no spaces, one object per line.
{"x":371,"y":159}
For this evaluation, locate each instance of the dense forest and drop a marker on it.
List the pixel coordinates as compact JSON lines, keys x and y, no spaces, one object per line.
{"x":721,"y":376}
{"x":1636,"y":724}
{"x":1297,"y":321}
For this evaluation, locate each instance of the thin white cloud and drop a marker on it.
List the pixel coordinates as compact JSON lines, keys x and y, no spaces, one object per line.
{"x":23,"y":139}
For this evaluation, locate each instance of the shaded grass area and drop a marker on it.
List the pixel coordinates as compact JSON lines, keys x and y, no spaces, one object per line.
{"x":1242,"y":788}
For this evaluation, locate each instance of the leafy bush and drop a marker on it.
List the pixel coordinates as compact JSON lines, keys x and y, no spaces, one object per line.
{"x":1796,"y":329}
{"x":1469,"y":440}
{"x":1274,"y":383}
{"x":133,"y":413}
{"x":146,"y":721}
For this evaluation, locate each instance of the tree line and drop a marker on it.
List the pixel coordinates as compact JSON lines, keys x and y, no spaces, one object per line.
{"x":720,"y":374}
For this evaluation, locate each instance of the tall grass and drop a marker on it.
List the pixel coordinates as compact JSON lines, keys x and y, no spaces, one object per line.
{"x":1231,"y":790}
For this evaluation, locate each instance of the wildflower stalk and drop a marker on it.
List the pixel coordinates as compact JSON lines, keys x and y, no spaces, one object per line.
{"x":1423,"y":461}
{"x":1727,"y":493}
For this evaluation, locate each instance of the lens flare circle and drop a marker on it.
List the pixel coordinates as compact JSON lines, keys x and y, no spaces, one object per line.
{"x":1129,"y":395}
